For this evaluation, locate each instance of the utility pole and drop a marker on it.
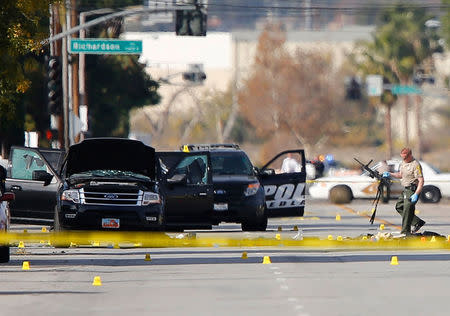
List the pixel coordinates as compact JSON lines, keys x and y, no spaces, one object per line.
{"x":75,"y":68}
{"x":419,"y":129}
{"x":65,"y":81}
{"x":56,"y":50}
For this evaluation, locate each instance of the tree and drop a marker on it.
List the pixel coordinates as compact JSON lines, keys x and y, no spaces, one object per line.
{"x":21,"y":31}
{"x":115,"y":83}
{"x":445,"y":28}
{"x":399,"y":46}
{"x":295,"y":93}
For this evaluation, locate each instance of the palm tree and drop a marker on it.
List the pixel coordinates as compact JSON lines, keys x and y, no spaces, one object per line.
{"x":399,"y":45}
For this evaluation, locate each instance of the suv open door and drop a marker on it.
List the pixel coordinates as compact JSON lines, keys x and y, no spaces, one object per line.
{"x":284,"y":178}
{"x":186,"y":180}
{"x":34,"y":179}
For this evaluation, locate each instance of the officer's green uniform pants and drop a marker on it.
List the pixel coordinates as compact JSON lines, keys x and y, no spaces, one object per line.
{"x":406,"y":209}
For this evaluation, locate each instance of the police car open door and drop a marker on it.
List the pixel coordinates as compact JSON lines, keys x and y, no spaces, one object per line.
{"x":187,"y":183}
{"x":284,"y":178}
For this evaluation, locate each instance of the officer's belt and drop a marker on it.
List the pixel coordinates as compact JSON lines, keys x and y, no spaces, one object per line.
{"x":412,"y":187}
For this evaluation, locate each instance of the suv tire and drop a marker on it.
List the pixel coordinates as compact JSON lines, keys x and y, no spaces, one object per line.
{"x":256,"y":223}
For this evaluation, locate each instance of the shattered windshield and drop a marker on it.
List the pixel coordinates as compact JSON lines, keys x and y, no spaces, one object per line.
{"x":116,"y":174}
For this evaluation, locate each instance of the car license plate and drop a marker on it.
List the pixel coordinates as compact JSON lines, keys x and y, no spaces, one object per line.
{"x":220,"y":206}
{"x":110,"y":223}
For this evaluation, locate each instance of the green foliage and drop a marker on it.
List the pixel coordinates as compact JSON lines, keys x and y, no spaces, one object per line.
{"x":115,"y":85}
{"x":445,"y":27}
{"x":24,"y":24}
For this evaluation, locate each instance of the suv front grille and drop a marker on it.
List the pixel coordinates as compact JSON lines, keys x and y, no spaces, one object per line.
{"x":111,"y":198}
{"x":228,"y":191}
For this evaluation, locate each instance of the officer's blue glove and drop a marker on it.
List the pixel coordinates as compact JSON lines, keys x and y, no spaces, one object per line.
{"x":386,"y":174}
{"x":414,"y":198}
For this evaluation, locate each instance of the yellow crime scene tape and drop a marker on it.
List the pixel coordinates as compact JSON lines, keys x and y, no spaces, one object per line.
{"x":163,"y":240}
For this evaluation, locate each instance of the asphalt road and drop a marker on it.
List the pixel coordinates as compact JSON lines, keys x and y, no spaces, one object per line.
{"x":218,"y":281}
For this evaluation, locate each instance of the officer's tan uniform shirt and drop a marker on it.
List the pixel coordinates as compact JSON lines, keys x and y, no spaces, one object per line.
{"x":411,"y":172}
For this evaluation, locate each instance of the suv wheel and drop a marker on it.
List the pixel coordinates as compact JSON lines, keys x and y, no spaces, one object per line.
{"x":4,"y":254}
{"x":256,"y":223}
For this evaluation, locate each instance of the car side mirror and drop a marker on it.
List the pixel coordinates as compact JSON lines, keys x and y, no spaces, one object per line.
{"x":178,"y":179}
{"x":7,"y":196}
{"x":267,"y":172}
{"x":256,"y":170}
{"x":42,"y":175}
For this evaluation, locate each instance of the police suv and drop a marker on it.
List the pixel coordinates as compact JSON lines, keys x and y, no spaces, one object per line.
{"x":248,"y":195}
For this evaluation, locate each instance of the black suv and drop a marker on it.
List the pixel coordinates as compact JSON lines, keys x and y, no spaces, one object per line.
{"x":248,"y":195}
{"x":110,"y":184}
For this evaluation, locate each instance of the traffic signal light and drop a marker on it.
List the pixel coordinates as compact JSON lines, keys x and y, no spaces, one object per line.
{"x":194,"y":76}
{"x":54,"y":85}
{"x":51,"y":134}
{"x":191,"y":22}
{"x":353,"y":89}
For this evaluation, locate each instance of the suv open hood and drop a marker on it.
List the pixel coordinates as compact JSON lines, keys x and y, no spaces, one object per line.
{"x":110,"y":154}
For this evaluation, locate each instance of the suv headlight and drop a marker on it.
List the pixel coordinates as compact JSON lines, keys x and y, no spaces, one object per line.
{"x":71,"y":195}
{"x":150,"y":198}
{"x":251,"y":189}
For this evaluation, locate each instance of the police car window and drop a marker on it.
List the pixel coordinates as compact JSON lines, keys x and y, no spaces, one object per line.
{"x":24,"y":162}
{"x":233,"y":163}
{"x":195,"y":168}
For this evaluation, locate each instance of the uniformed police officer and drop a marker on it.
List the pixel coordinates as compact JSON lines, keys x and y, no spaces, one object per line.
{"x":411,"y":176}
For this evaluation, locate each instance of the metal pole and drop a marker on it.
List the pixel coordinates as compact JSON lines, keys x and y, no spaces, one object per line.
{"x":308,"y":24}
{"x":69,"y":76}
{"x":419,"y":129}
{"x":112,"y":16}
{"x":65,"y":86}
{"x":82,"y":60}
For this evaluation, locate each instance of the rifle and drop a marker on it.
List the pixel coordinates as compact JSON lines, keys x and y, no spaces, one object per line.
{"x":383,"y":182}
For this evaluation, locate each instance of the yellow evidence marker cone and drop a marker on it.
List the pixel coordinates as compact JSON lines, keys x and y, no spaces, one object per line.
{"x":44,"y":229}
{"x":25,"y":265}
{"x":277,"y":236}
{"x":267,"y":260}
{"x":96,"y":244}
{"x":433,"y":239}
{"x":394,"y":261}
{"x":339,"y":238}
{"x":330,"y":237}
{"x":147,"y":257}
{"x":338,"y":217}
{"x":21,"y":244}
{"x":381,"y":226}
{"x":97,"y":281}
{"x":244,"y":255}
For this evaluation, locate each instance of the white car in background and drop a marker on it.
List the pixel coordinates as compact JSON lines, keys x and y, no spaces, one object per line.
{"x":342,"y":189}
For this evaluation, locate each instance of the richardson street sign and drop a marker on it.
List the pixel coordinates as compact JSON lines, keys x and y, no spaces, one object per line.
{"x":104,"y":46}
{"x":405,"y":89}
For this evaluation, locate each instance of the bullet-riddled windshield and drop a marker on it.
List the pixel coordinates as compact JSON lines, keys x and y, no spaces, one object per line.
{"x":231,"y":163}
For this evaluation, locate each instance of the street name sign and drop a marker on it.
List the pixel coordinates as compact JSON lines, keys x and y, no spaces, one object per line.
{"x":104,"y":46}
{"x":405,"y":89}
